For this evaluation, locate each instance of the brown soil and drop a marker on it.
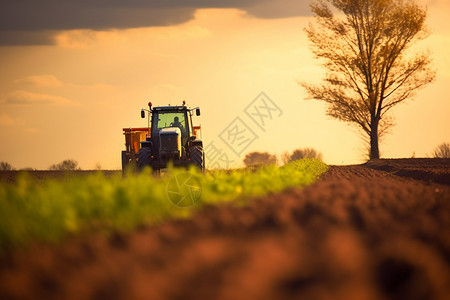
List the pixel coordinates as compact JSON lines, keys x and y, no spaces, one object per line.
{"x":360,"y":232}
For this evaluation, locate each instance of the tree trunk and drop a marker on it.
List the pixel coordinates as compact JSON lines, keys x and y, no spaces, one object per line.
{"x":374,"y":150}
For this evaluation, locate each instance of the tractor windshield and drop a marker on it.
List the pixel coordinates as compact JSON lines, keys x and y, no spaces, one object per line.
{"x":170,"y":119}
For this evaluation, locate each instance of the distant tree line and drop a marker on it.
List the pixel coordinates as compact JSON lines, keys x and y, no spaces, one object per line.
{"x":5,"y":166}
{"x":297,"y":154}
{"x":65,"y":165}
{"x":258,"y":159}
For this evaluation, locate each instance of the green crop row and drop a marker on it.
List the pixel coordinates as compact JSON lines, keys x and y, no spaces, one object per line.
{"x":50,"y":210}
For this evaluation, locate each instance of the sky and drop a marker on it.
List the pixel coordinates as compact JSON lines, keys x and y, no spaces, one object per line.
{"x":74,"y":73}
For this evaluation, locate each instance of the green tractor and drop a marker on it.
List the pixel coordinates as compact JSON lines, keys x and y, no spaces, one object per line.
{"x":169,"y":137}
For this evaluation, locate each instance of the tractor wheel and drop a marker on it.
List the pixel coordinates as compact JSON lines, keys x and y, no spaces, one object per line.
{"x":124,"y":161}
{"x":128,"y":162}
{"x":144,"y":158}
{"x":198,"y":157}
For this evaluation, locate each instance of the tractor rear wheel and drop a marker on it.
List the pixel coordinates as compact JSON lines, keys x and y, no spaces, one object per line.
{"x":128,"y":162}
{"x":124,"y":161}
{"x":198,"y":157}
{"x":144,"y":158}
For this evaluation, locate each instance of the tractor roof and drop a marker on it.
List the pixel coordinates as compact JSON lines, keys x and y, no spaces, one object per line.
{"x":170,"y":108}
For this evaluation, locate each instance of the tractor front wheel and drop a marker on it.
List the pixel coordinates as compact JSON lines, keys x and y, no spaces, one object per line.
{"x":198,"y":157}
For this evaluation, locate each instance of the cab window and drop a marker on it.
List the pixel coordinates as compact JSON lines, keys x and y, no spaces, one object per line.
{"x":169,"y":119}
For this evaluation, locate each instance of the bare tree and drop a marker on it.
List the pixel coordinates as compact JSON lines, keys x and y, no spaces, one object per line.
{"x":257,"y":159}
{"x":5,"y":166}
{"x":442,"y":151}
{"x":300,"y":154}
{"x":66,"y":165}
{"x":369,"y":69}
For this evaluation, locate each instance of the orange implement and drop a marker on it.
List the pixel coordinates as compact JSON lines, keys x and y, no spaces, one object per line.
{"x":134,"y":136}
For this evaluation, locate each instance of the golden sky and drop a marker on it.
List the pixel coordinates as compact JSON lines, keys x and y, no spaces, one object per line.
{"x":70,"y":95}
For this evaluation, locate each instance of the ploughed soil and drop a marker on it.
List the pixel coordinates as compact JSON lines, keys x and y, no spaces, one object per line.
{"x":374,"y":231}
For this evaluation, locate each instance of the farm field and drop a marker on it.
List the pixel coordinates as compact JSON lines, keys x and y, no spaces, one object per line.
{"x":375,"y":231}
{"x":33,"y":208}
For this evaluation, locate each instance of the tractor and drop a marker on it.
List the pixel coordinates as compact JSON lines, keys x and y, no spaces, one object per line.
{"x":169,"y":137}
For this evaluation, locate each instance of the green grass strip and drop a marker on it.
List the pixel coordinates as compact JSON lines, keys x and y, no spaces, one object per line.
{"x":49,"y":210}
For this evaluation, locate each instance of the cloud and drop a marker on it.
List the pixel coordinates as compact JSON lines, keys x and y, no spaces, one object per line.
{"x":31,"y":22}
{"x":51,"y":81}
{"x":8,"y":121}
{"x":279,"y":9}
{"x":40,"y":81}
{"x":28,"y":98}
{"x":26,"y":37}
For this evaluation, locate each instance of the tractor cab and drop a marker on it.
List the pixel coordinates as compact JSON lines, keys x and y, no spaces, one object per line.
{"x":173,"y":117}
